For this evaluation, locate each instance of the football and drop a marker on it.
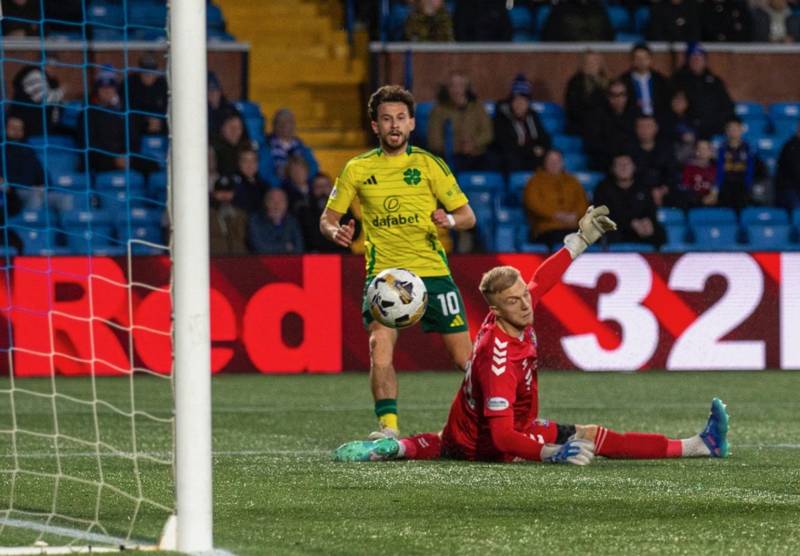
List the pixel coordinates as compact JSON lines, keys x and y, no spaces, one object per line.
{"x":397,"y":298}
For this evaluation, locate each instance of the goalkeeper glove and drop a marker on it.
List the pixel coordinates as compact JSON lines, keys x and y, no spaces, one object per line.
{"x":591,"y":227}
{"x":576,"y":452}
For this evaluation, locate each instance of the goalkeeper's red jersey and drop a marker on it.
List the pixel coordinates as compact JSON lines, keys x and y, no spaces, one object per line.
{"x":501,"y":379}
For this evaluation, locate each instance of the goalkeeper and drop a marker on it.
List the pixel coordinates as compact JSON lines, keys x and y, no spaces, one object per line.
{"x":494,"y":416}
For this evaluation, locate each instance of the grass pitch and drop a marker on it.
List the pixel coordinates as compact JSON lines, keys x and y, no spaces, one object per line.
{"x":276,"y":491}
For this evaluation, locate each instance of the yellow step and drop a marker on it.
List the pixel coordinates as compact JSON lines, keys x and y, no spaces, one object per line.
{"x":334,"y":138}
{"x":333,"y":160}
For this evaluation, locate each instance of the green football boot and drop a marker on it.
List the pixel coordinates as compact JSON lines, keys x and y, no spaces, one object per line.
{"x":367,"y":450}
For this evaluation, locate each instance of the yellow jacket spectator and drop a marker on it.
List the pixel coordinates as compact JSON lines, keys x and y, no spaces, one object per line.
{"x":554,"y":201}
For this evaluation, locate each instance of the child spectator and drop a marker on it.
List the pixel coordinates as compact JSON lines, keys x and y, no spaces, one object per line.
{"x":470,"y":124}
{"x":249,"y":188}
{"x":231,"y":140}
{"x":429,"y":21}
{"x":787,"y":175}
{"x":773,"y":21}
{"x":586,"y":92}
{"x":227,"y":223}
{"x":554,"y":201}
{"x":283,"y":143}
{"x":520,"y":137}
{"x":699,"y":177}
{"x":630,"y":203}
{"x":736,"y":163}
{"x":273,"y":230}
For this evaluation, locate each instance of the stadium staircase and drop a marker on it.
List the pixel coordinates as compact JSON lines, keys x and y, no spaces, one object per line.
{"x":300,"y":59}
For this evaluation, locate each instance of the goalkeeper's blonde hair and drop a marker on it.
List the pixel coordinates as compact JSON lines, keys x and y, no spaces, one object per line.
{"x":496,"y":280}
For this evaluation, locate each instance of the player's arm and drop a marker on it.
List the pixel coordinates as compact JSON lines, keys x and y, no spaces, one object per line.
{"x":461,"y":218}
{"x":519,"y":445}
{"x":591,"y":228}
{"x":329,"y":225}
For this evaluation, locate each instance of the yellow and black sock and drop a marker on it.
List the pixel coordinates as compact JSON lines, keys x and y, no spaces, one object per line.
{"x":386,"y":410}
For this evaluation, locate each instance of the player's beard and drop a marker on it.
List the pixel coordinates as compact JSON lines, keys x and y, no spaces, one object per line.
{"x":396,"y":145}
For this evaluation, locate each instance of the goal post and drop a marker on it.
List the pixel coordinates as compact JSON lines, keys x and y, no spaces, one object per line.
{"x":188,"y":111}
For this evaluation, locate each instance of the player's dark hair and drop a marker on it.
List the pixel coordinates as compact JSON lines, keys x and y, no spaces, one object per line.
{"x":389,"y":93}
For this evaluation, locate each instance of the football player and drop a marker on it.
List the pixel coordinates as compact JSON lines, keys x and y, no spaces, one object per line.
{"x":399,"y":187}
{"x":495,"y":414}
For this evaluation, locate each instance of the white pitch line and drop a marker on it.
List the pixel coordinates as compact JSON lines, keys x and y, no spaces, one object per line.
{"x":73,"y":533}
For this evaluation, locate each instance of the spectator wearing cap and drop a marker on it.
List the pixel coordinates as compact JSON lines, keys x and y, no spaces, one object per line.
{"x":147,"y":92}
{"x":219,"y":107}
{"x":282,"y":144}
{"x":710,"y":105}
{"x":554,"y":201}
{"x":520,"y":138}
{"x":586,"y":92}
{"x":649,"y":90}
{"x":227,"y":222}
{"x":107,"y":133}
{"x":469,"y":124}
{"x":578,"y":21}
{"x":674,"y":21}
{"x":612,"y":127}
{"x":37,"y":85}
{"x":787,"y":174}
{"x":773,"y":21}
{"x":429,"y":21}
{"x":272,"y":230}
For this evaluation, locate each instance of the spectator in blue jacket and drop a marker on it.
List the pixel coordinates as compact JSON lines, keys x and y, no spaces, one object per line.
{"x":736,"y":163}
{"x":283,"y":143}
{"x":273,"y":230}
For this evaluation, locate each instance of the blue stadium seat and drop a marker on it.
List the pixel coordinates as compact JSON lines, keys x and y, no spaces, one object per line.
{"x":34,"y":239}
{"x":87,"y":240}
{"x":39,"y":218}
{"x":631,"y":248}
{"x":73,"y":181}
{"x":53,"y":140}
{"x":108,"y":34}
{"x":676,"y":233}
{"x":763,"y":215}
{"x":547,"y":108}
{"x":626,"y":37}
{"x":715,"y":236}
{"x":774,"y":237}
{"x":119,"y":180}
{"x":521,"y":19}
{"x":796,"y":217}
{"x":641,"y":19}
{"x":553,"y":123}
{"x":69,"y":201}
{"x":784,"y":110}
{"x":398,"y":15}
{"x":105,"y":13}
{"x":155,"y":148}
{"x":575,"y":162}
{"x":96,"y":218}
{"x":767,"y":146}
{"x":157,"y":181}
{"x":712,"y":215}
{"x":620,"y":18}
{"x":150,"y":14}
{"x":151,"y":234}
{"x":756,"y":126}
{"x":504,"y":237}
{"x":784,"y":129}
{"x":58,"y":159}
{"x":589,"y":180}
{"x":670,"y":215}
{"x":8,"y":251}
{"x":472,"y":180}
{"x":542,"y":13}
{"x":568,"y":143}
{"x":490,"y":106}
{"x":422,"y":115}
{"x":517,"y":181}
{"x":750,"y":108}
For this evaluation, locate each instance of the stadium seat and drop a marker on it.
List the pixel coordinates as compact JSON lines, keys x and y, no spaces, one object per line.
{"x":620,"y":18}
{"x":7,"y":251}
{"x":58,"y":159}
{"x":676,"y":233}
{"x":784,"y":129}
{"x":472,"y":180}
{"x":398,"y":14}
{"x":575,"y":162}
{"x":504,"y":237}
{"x":631,"y":248}
{"x":568,"y":143}
{"x":422,"y":114}
{"x":34,"y":240}
{"x":553,"y":123}
{"x":157,"y":181}
{"x":521,"y":19}
{"x":53,"y":140}
{"x":763,"y":215}
{"x":755,"y":127}
{"x":784,"y":110}
{"x":749,"y":108}
{"x":796,"y":217}
{"x":86,"y":240}
{"x":105,"y":13}
{"x":155,"y":148}
{"x":641,"y":20}
{"x":149,"y":14}
{"x":715,"y":236}
{"x":108,"y":34}
{"x":542,"y":13}
{"x":39,"y":218}
{"x":589,"y":181}
{"x":119,"y":180}
{"x":670,"y":215}
{"x":489,"y":106}
{"x":767,"y":146}
{"x":773,"y":237}
{"x":69,"y":201}
{"x":98,"y":218}
{"x":73,"y":181}
{"x":711,"y":215}
{"x":517,"y":182}
{"x":627,"y":37}
{"x":547,"y":108}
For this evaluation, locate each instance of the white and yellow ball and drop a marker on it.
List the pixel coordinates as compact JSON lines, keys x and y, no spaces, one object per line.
{"x":397,"y":298}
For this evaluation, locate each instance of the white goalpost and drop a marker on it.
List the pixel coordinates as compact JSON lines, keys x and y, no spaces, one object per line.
{"x":191,"y":275}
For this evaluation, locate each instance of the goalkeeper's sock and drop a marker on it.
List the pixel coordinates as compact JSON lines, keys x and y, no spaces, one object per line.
{"x":421,"y":446}
{"x":386,"y":410}
{"x":694,"y":447}
{"x":635,"y":445}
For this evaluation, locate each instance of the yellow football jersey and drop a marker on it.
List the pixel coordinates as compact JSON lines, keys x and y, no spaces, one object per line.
{"x":397,"y":196}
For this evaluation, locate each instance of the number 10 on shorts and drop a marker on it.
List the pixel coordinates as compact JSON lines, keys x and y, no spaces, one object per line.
{"x":449,"y":303}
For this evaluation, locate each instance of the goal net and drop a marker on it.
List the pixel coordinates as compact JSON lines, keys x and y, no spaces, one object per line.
{"x":87,"y":396}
